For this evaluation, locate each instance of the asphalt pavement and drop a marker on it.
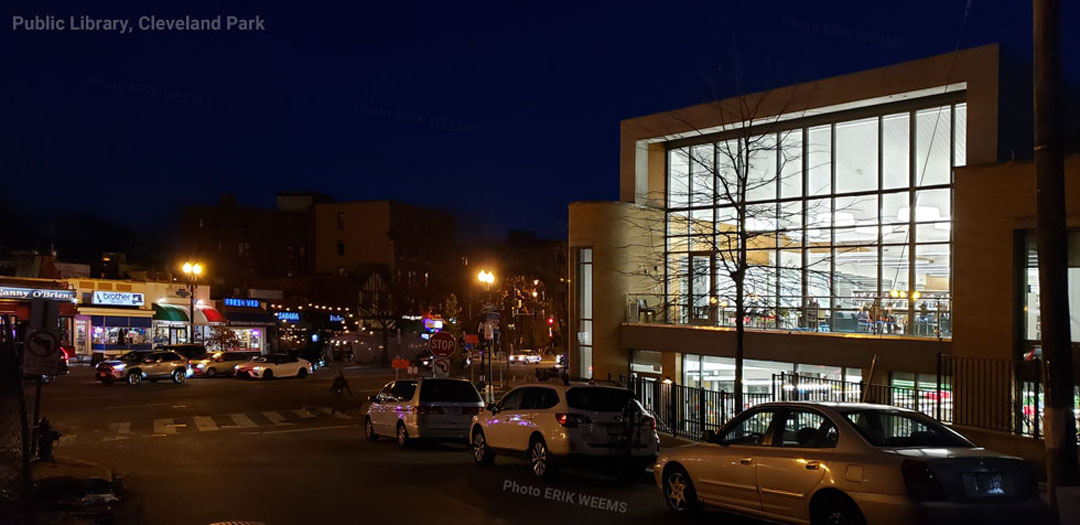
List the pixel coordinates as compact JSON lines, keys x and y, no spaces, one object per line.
{"x":225,"y":449}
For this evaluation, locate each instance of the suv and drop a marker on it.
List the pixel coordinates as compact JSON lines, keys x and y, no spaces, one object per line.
{"x":556,"y":424}
{"x":218,"y":363}
{"x":133,"y":367}
{"x":431,"y":408}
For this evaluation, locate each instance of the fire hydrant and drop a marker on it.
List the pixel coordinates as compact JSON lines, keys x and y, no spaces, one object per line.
{"x":46,"y":436}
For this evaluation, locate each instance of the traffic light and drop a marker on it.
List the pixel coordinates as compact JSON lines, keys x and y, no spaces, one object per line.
{"x":551,"y":321}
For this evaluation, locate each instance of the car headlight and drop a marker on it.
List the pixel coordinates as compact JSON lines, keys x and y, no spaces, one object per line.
{"x":257,"y":368}
{"x":118,"y":367}
{"x":236,"y":367}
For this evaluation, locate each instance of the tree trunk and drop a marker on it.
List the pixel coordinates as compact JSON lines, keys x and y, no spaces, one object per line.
{"x":739,"y":329}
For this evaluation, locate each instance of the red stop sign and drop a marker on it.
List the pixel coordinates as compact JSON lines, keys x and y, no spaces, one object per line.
{"x":441,"y":344}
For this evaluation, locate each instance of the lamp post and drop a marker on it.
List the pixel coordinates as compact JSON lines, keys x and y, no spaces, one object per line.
{"x":487,"y":278}
{"x":192,"y":271}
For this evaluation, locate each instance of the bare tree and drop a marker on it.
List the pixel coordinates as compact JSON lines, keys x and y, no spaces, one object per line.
{"x":723,"y":214}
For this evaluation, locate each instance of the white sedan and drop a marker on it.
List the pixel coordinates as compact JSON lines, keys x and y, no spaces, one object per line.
{"x":275,"y":365}
{"x":525,"y":357}
{"x":834,"y":463}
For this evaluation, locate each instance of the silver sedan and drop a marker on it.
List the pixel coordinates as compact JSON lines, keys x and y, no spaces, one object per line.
{"x":828,"y":463}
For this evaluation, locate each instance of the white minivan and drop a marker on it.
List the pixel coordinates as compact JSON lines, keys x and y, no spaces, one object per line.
{"x":431,"y":408}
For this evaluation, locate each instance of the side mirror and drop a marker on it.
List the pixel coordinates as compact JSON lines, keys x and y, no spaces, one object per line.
{"x":492,"y":408}
{"x":708,"y":436}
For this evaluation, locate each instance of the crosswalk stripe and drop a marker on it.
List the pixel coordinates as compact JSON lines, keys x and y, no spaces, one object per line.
{"x":67,"y":438}
{"x":303,"y":413}
{"x":339,"y":415}
{"x":205,"y":424}
{"x":164,"y":426}
{"x":119,"y":431}
{"x":242,"y":421}
{"x":275,"y":418}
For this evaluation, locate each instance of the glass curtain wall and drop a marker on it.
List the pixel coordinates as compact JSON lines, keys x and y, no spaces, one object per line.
{"x":848,"y":225}
{"x":585,"y":311}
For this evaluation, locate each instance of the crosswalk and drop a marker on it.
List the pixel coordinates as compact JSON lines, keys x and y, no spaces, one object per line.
{"x":165,"y":427}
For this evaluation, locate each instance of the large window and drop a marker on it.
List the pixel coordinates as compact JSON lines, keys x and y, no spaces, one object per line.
{"x":848,"y":224}
{"x":585,"y":311}
{"x":1031,"y":308}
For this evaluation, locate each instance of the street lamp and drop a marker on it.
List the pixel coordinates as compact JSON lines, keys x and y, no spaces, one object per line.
{"x":487,"y":279}
{"x":192,"y":271}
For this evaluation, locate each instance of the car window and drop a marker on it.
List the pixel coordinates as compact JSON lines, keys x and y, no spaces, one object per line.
{"x":598,"y":399}
{"x":512,"y":400}
{"x":805,"y":429}
{"x":384,"y":394}
{"x":537,"y":398}
{"x":448,"y":390}
{"x":749,"y":430}
{"x":900,"y":429}
{"x":171,"y":357}
{"x":403,"y":390}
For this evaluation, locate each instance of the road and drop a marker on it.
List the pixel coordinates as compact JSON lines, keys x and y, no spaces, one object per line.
{"x":226,"y":449}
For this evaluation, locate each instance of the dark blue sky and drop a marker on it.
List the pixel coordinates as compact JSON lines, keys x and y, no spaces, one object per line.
{"x":502,"y":111}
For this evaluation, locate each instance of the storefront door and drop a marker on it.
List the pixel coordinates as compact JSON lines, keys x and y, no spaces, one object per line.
{"x":178,"y":335}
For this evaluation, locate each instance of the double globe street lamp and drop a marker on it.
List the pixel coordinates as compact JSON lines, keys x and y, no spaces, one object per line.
{"x":192,"y":271}
{"x":487,"y":279}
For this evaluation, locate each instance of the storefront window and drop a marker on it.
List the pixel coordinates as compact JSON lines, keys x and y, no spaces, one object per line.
{"x":1031,"y":319}
{"x":863,"y":246}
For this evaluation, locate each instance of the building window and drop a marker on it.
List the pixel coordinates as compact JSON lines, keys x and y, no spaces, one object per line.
{"x":585,"y":312}
{"x":849,"y":225}
{"x":1030,"y":323}
{"x":341,"y":220}
{"x":243,"y":248}
{"x":341,"y":248}
{"x":302,"y":251}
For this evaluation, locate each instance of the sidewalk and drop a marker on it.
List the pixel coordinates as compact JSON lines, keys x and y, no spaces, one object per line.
{"x":73,"y":491}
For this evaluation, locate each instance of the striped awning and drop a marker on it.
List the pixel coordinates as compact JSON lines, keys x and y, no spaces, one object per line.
{"x":177,"y":313}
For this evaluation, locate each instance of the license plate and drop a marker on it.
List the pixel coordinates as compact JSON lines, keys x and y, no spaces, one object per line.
{"x":984,"y":484}
{"x":452,"y":411}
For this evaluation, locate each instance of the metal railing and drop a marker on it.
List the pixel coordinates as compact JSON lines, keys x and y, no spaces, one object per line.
{"x":995,"y":394}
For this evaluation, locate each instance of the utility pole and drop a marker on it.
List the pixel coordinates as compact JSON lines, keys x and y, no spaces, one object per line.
{"x":1059,"y":418}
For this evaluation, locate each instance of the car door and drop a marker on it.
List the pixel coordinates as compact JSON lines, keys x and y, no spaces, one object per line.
{"x":153,"y":364}
{"x":377,"y":410}
{"x":521,"y":423}
{"x":169,"y":362}
{"x":497,"y":431}
{"x":795,"y":463}
{"x":726,"y":471}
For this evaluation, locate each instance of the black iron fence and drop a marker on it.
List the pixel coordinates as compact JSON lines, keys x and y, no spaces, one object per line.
{"x":1000,"y":395}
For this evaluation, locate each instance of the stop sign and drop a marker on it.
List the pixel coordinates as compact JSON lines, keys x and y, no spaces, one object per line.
{"x":441,"y":344}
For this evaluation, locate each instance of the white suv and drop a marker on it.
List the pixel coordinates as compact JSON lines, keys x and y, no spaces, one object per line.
{"x":556,"y":424}
{"x":431,"y":408}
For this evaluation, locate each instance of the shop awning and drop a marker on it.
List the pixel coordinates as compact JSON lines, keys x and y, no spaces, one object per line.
{"x":250,"y":319}
{"x":177,"y":313}
{"x":170,"y":312}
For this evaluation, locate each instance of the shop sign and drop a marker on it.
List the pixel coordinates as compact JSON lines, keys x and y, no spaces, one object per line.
{"x":400,"y":364}
{"x":34,"y":293}
{"x":119,"y":298}
{"x":289,"y":316}
{"x":241,"y":303}
{"x":337,"y":318}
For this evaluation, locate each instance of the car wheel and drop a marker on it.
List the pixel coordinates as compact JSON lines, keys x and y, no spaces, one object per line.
{"x":482,"y":453}
{"x":302,"y":373}
{"x":679,"y":493}
{"x":269,"y":374}
{"x":837,"y":510}
{"x":403,"y":439}
{"x":178,"y":376}
{"x":369,"y":430}
{"x":134,"y":378}
{"x":211,"y":372}
{"x":540,"y":459}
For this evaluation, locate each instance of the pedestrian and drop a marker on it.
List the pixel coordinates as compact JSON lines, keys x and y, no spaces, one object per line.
{"x":339,"y":387}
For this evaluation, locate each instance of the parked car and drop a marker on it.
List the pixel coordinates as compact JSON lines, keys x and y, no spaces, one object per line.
{"x":188,"y":350}
{"x":847,"y":463}
{"x":560,"y":361}
{"x":133,"y":367}
{"x":274,"y":365}
{"x":553,"y":425}
{"x":431,"y":408}
{"x":423,"y":359}
{"x":525,"y":357}
{"x":219,"y":363}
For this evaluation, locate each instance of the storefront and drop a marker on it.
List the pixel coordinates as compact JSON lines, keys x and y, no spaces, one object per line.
{"x":112,"y":322}
{"x":17,"y":296}
{"x":253,"y":326}
{"x":171,"y":323}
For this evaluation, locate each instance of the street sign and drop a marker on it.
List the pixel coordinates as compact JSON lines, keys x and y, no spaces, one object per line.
{"x":400,"y":364}
{"x":441,"y":366}
{"x":441,"y":344}
{"x":489,"y":331}
{"x":42,"y":353}
{"x":472,"y":339}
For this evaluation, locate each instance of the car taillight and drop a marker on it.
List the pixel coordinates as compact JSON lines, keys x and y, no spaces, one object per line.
{"x":571,"y":420}
{"x":649,"y":422}
{"x":425,"y":410}
{"x":921,"y":482}
{"x":470,"y":410}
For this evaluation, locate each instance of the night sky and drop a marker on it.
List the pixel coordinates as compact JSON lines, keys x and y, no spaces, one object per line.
{"x":501,"y":112}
